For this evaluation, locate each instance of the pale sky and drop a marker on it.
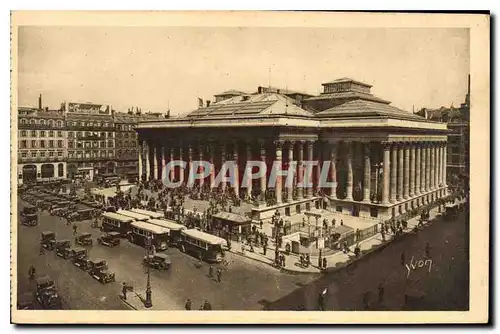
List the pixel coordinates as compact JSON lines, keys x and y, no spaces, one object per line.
{"x":157,"y":67}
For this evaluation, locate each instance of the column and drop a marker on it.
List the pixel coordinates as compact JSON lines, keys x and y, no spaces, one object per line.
{"x":367,"y":170}
{"x":200,"y":151}
{"x":181,"y":170}
{"x":406,"y":173}
{"x":445,"y":162}
{"x":223,"y":161}
{"x":394,"y":172}
{"x":317,"y":168}
{"x":148,"y":166}
{"x":438,"y":165}
{"x":300,"y":172}
{"x":140,"y":150}
{"x":412,"y":169}
{"x":310,"y":152}
{"x":400,"y":171}
{"x":436,"y":168}
{"x":418,"y":167}
{"x":248,"y":169}
{"x":278,"y":164}
{"x":236,"y":170}
{"x":212,"y":165}
{"x":333,"y":170}
{"x":349,"y":181}
{"x":433,"y":166}
{"x":172,"y":169}
{"x":155,"y":163}
{"x":428,"y":163}
{"x":163,"y":163}
{"x":263,"y":179}
{"x":190,"y":161}
{"x":290,"y":163}
{"x":385,"y":171}
{"x":423,"y":181}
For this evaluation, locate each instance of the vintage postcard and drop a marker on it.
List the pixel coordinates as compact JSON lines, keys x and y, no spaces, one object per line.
{"x":249,"y":167}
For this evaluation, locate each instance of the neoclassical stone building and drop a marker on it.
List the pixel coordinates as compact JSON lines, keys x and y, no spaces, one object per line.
{"x":383,"y":160}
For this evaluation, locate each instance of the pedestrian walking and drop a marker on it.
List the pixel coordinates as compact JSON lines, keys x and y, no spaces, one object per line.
{"x":75,"y":230}
{"x":124,"y":290}
{"x":334,"y":222}
{"x":283,"y":260}
{"x":242,"y":248}
{"x":207,"y":306}
{"x":188,"y":305}
{"x":211,"y":271}
{"x":325,"y":263}
{"x":219,"y":275}
{"x":341,"y":222}
{"x":264,"y":248}
{"x":380,"y":293}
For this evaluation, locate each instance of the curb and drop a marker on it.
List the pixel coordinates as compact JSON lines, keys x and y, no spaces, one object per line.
{"x":132,"y":307}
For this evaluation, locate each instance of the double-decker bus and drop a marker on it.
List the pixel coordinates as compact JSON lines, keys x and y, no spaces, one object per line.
{"x":113,"y":222}
{"x":205,"y":246}
{"x":140,"y":231}
{"x":134,"y":215}
{"x":150,"y":214}
{"x":174,"y":229}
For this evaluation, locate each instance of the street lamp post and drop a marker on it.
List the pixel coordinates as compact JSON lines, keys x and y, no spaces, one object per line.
{"x":148,"y":303}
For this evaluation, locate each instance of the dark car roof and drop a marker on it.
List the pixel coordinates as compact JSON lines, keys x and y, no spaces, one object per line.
{"x":63,"y":240}
{"x":79,"y":249}
{"x":84,"y":234}
{"x":47,"y":232}
{"x":43,"y":280}
{"x":112,"y":233}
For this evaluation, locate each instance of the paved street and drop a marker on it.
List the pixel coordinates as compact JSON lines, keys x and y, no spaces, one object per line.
{"x":245,"y":285}
{"x":445,"y":287}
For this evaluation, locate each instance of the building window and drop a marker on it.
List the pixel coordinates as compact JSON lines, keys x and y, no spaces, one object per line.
{"x":110,"y":134}
{"x":42,"y":133}
{"x":59,"y":133}
{"x":33,"y":154}
{"x":59,"y":124}
{"x":71,"y":134}
{"x":23,"y":133}
{"x":50,"y":123}
{"x":59,"y":154}
{"x":42,"y":122}
{"x":70,"y":144}
{"x":79,"y":134}
{"x":51,"y":133}
{"x":23,"y":121}
{"x":79,"y":145}
{"x":51,"y":143}
{"x":102,"y":144}
{"x":24,"y":155}
{"x":42,"y":154}
{"x":33,"y":143}
{"x":51,"y":154}
{"x":87,"y":133}
{"x":23,"y":144}
{"x":110,"y":154}
{"x":33,"y":133}
{"x":42,"y":143}
{"x":32,"y":121}
{"x":103,"y":154}
{"x":60,"y":143}
{"x":98,"y":124}
{"x":95,"y":144}
{"x":110,"y":143}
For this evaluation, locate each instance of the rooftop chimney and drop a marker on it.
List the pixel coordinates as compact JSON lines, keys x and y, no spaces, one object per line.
{"x":208,"y":103}
{"x":168,"y":114}
{"x":40,"y":102}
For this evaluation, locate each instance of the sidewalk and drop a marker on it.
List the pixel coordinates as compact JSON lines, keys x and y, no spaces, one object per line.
{"x":334,"y":261}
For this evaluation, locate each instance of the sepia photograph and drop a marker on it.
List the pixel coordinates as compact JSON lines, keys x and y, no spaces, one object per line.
{"x":301,"y":165}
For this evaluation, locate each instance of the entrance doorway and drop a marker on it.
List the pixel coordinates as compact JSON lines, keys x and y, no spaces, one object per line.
{"x":355,"y":210}
{"x":29,"y":174}
{"x":47,"y":171}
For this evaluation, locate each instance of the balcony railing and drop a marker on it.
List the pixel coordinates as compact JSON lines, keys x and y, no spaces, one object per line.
{"x":40,"y":159}
{"x":75,"y":159}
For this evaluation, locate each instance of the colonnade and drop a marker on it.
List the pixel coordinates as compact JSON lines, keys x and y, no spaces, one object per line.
{"x":403,"y":169}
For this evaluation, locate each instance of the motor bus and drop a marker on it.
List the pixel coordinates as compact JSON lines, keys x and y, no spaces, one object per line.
{"x":204,"y":246}
{"x":134,"y":215}
{"x":140,"y":231}
{"x":151,"y":214}
{"x":174,"y":229}
{"x":113,"y":222}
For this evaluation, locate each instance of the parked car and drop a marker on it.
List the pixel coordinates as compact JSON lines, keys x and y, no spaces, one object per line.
{"x":63,"y":248}
{"x":80,"y":258}
{"x":110,"y":239}
{"x":158,"y":261}
{"x":84,"y":239}
{"x":46,"y":293}
{"x":48,"y":240}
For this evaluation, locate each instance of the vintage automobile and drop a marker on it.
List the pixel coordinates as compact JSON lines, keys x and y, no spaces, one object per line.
{"x":25,"y":301}
{"x":60,"y":212}
{"x":59,"y":204}
{"x":82,"y":212}
{"x":29,"y":216}
{"x":84,"y":239}
{"x":48,"y":240}
{"x":98,"y":269}
{"x":46,"y":293}
{"x":158,"y":261}
{"x":80,"y":258}
{"x":110,"y":239}
{"x":63,"y":248}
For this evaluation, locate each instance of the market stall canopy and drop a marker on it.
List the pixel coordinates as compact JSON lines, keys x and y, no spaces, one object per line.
{"x":233,"y":218}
